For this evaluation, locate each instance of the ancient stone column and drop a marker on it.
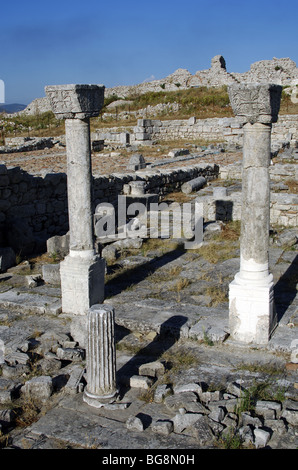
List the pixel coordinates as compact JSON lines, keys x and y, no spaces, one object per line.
{"x":251,"y":302}
{"x":82,"y":271}
{"x":100,"y":357}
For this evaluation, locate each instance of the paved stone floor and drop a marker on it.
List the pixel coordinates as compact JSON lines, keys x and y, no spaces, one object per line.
{"x":171,"y":311}
{"x":199,"y":389}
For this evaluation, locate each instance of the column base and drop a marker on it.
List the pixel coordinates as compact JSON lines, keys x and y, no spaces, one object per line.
{"x":82,"y":283}
{"x":252,"y":316}
{"x":98,"y":401}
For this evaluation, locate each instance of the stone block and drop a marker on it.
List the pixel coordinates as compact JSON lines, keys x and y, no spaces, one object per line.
{"x":190,"y":387}
{"x":178,"y":153}
{"x":136,"y":162}
{"x":252,"y":316}
{"x":219,"y":192}
{"x":51,"y":273}
{"x":161,"y":392}
{"x":139,"y":381}
{"x":162,"y":426}
{"x":201,"y":431}
{"x":183,"y":420}
{"x":39,"y":388}
{"x":152,"y":369}
{"x":142,"y":136}
{"x":59,"y":244}
{"x":82,"y":283}
{"x":70,"y":354}
{"x":134,"y":423}
{"x":144,"y":122}
{"x":262,"y":438}
{"x":73,"y":384}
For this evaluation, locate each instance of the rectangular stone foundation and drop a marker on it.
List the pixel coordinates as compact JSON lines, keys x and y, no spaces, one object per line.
{"x":252,"y":317}
{"x":82,"y":283}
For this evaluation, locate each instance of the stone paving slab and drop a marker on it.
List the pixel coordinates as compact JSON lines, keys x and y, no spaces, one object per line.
{"x":30,"y":303}
{"x":91,"y":430}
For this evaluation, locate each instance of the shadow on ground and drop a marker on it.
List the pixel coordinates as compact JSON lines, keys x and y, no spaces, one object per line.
{"x":132,"y":276}
{"x":285,"y":289}
{"x":169,"y":334}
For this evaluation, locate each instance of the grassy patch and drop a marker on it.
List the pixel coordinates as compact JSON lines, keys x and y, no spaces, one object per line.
{"x":292,"y":185}
{"x":43,"y":124}
{"x":217,"y":252}
{"x":230,"y":231}
{"x":179,"y":360}
{"x":231,"y":440}
{"x":217,"y":295}
{"x":27,"y":412}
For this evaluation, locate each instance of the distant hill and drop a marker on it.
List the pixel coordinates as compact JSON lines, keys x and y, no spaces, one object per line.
{"x":12,"y":108}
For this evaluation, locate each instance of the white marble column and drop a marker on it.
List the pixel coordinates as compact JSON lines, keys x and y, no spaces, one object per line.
{"x":100,"y":357}
{"x":251,"y":298}
{"x":82,"y":271}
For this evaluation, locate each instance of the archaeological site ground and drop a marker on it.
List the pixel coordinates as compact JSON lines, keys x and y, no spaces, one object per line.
{"x":148,"y":264}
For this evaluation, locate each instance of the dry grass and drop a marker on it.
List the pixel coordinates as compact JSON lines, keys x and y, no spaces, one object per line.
{"x":217,"y":295}
{"x":217,"y":252}
{"x":178,"y":196}
{"x":293,"y":186}
{"x":179,"y":359}
{"x":230,"y":231}
{"x":28,"y":412}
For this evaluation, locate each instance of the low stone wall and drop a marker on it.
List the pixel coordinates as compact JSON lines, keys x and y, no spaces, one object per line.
{"x":27,"y":144}
{"x":277,"y":171}
{"x":227,"y":130}
{"x":34,"y":208}
{"x":283,"y":208}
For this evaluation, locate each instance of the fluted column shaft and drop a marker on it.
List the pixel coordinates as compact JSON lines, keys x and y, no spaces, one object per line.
{"x":100,"y":356}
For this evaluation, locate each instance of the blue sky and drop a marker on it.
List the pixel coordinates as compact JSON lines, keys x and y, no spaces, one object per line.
{"x":117,"y":42}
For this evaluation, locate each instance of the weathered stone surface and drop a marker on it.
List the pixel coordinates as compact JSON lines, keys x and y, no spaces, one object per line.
{"x":201,"y":431}
{"x":70,"y":354}
{"x":134,"y":424}
{"x":75,"y":101}
{"x":255,"y":102}
{"x":51,"y":274}
{"x":152,"y":369}
{"x":73,"y":384}
{"x":161,"y":392}
{"x":183,"y":420}
{"x":190,"y":387}
{"x":164,"y":427}
{"x":262,"y":437}
{"x":180,"y":400}
{"x":136,"y":162}
{"x":142,"y":382}
{"x":59,"y":244}
{"x":40,"y":388}
{"x":291,"y":416}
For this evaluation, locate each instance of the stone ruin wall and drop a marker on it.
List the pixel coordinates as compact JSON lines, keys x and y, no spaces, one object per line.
{"x":219,"y":129}
{"x":34,"y":208}
{"x":280,"y":71}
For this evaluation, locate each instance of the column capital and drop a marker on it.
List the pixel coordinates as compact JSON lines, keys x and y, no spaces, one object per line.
{"x":255,"y":102}
{"x":75,"y":101}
